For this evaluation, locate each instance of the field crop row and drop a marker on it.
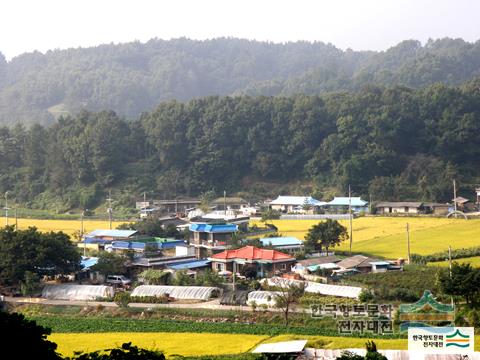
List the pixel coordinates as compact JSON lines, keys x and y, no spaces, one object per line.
{"x":99,"y":325}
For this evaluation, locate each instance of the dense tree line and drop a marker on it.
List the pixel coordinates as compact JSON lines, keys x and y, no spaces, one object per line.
{"x":392,"y":143}
{"x":134,"y":77}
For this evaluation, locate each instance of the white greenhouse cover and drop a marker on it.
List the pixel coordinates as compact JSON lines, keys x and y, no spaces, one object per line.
{"x":177,"y":292}
{"x":333,"y":290}
{"x":76,"y":292}
{"x":323,"y":289}
{"x":262,"y":297}
{"x":294,"y":346}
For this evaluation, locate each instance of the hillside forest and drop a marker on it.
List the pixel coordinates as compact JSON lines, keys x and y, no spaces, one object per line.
{"x":135,"y":77}
{"x":390,"y":143}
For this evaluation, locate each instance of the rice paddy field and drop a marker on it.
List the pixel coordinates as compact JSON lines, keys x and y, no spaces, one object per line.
{"x":193,"y":344}
{"x":380,"y":236}
{"x":67,"y":226}
{"x":186,"y":344}
{"x":386,"y":236}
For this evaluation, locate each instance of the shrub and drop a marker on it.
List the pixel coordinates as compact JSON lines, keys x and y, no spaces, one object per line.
{"x":122,"y":299}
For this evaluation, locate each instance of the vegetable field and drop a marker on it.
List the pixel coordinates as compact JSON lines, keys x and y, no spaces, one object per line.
{"x":386,"y":236}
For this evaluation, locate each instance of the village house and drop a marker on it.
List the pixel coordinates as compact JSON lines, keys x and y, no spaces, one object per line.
{"x":361,"y":264}
{"x":311,"y":265}
{"x":286,"y":244}
{"x":341,"y":204}
{"x":263,"y":262}
{"x":291,"y":204}
{"x":400,"y":208}
{"x":231,"y":203}
{"x":209,"y":238}
{"x":437,"y":208}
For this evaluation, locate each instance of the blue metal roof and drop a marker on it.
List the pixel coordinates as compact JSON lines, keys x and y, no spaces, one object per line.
{"x":88,"y":262}
{"x":213,"y":228}
{"x":94,"y":240}
{"x":137,"y":245}
{"x":281,"y":241}
{"x":190,"y":265}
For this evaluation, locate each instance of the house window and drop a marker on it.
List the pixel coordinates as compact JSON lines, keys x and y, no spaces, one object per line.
{"x":219,"y":266}
{"x":283,"y":267}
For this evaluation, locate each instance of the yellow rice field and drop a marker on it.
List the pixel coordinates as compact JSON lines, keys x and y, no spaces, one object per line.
{"x":188,"y":344}
{"x":169,"y":343}
{"x":386,"y":236}
{"x":67,"y":226}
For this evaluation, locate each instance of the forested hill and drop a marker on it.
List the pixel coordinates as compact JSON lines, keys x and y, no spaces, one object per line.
{"x":392,"y":143}
{"x":134,"y":77}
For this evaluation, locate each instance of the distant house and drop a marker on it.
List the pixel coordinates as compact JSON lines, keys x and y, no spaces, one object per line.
{"x":232,"y":203}
{"x":311,"y":265}
{"x":174,"y":206}
{"x":462,"y":203}
{"x":437,"y":208}
{"x":262,"y":261}
{"x":341,"y":204}
{"x":209,"y":238}
{"x":294,"y":203}
{"x":400,"y":208}
{"x":362,"y":264}
{"x":111,"y":234}
{"x":287,"y":244}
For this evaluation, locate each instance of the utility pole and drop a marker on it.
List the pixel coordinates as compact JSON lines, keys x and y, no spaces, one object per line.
{"x":81,"y":234}
{"x":225,"y":202}
{"x":350,"y":217}
{"x":234,"y":274}
{"x":455,"y":197}
{"x":16,"y":220}
{"x":450,"y":267}
{"x":408,"y":244}
{"x":6,"y":208}
{"x":109,"y":210}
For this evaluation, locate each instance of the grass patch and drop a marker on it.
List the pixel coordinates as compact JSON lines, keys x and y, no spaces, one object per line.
{"x":474,"y":261}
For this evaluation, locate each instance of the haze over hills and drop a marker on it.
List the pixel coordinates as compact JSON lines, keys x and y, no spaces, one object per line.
{"x":134,"y":77}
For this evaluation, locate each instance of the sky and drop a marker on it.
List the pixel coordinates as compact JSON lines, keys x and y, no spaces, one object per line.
{"x":28,"y":25}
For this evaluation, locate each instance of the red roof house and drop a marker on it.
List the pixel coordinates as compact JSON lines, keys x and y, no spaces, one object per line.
{"x":262,"y":261}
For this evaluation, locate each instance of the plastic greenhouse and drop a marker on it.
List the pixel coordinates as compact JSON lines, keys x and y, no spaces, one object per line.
{"x":262,"y":298}
{"x":334,"y":290}
{"x":177,"y":292}
{"x":76,"y":292}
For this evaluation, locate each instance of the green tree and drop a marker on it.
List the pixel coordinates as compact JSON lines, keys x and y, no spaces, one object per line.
{"x":464,"y":282}
{"x":125,"y":352}
{"x":23,"y":251}
{"x":287,"y":294}
{"x":325,"y":234}
{"x":16,"y":327}
{"x":110,"y":263}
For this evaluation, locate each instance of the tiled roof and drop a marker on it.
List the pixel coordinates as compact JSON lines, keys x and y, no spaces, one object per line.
{"x":252,"y":253}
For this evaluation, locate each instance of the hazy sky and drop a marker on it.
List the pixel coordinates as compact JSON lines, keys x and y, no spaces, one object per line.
{"x":27,"y":25}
